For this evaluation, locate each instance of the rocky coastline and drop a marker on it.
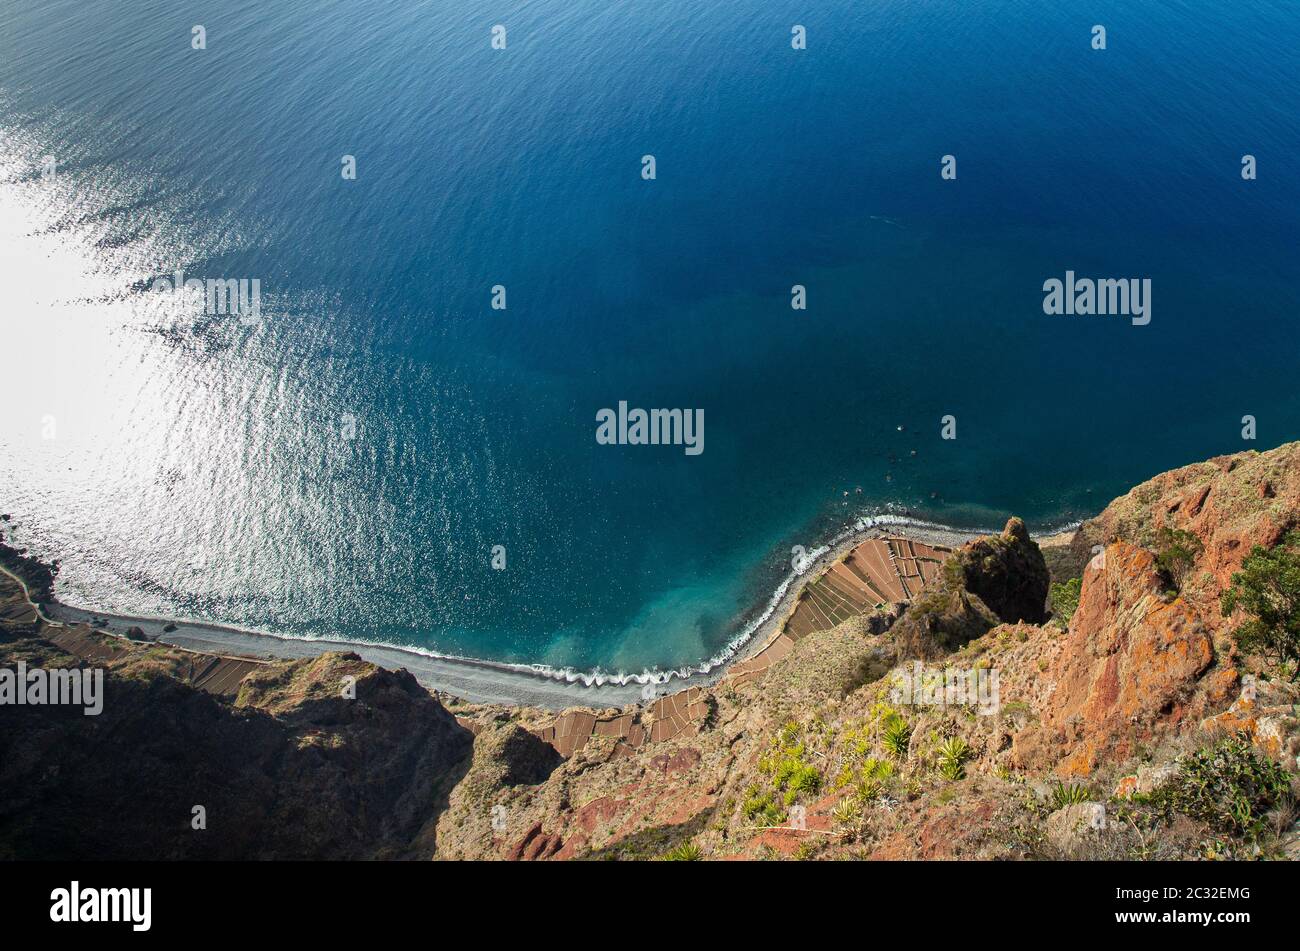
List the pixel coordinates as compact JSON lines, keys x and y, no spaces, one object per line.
{"x":1120,"y":684}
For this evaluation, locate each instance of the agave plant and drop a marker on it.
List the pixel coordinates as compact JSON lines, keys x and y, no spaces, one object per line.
{"x":895,"y":736}
{"x":880,"y":769}
{"x":952,"y":754}
{"x":686,"y":852}
{"x":870,"y":788}
{"x":1071,"y":795}
{"x":847,"y":814}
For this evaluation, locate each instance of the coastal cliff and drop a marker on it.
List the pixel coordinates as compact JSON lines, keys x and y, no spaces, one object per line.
{"x":1108,"y":717}
{"x":330,"y":758}
{"x":1077,"y":705}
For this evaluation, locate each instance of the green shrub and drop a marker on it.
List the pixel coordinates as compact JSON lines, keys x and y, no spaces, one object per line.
{"x":1176,"y":552}
{"x":759,"y":807}
{"x":805,"y":851}
{"x":1228,"y":785}
{"x":847,"y":814}
{"x":1065,"y":599}
{"x":881,"y":769}
{"x":791,"y":775}
{"x":1268,"y":589}
{"x":789,"y":771}
{"x":805,"y":779}
{"x":869,"y":789}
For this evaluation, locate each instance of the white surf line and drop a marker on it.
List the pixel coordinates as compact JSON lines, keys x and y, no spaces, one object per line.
{"x":606,"y":687}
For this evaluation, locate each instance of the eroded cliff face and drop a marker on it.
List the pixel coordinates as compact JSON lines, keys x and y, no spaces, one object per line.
{"x":1230,"y":503}
{"x":1142,"y":661}
{"x":806,"y":761}
{"x":1129,"y":668}
{"x":291,"y":768}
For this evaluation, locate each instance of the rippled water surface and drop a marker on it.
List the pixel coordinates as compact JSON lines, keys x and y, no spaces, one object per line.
{"x":344,"y":467}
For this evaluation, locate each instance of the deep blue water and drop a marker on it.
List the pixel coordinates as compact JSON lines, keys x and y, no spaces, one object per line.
{"x":199,"y":466}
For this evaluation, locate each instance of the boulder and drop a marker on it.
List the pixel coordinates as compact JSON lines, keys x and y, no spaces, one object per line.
{"x":1069,"y":827}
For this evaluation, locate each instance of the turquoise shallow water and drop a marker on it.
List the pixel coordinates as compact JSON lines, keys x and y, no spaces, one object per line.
{"x":345,"y":467}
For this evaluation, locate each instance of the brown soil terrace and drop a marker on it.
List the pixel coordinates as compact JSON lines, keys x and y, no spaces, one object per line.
{"x":876,"y":573}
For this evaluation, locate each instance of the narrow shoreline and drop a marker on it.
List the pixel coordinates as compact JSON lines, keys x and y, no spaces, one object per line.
{"x":482,"y":681}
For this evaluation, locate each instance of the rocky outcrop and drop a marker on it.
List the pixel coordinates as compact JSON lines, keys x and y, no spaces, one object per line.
{"x":295,"y":769}
{"x":1131,"y":659}
{"x":997,"y":579}
{"x":1142,"y":663}
{"x":941,"y":621}
{"x":1230,"y":503}
{"x":1007,"y":572}
{"x":509,"y":755}
{"x":1067,"y":828}
{"x":535,"y":846}
{"x":1267,"y":712}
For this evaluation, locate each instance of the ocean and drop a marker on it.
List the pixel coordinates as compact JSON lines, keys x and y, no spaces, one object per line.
{"x":351,"y":461}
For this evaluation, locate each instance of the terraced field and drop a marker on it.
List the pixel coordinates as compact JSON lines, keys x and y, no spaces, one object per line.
{"x":877,"y":572}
